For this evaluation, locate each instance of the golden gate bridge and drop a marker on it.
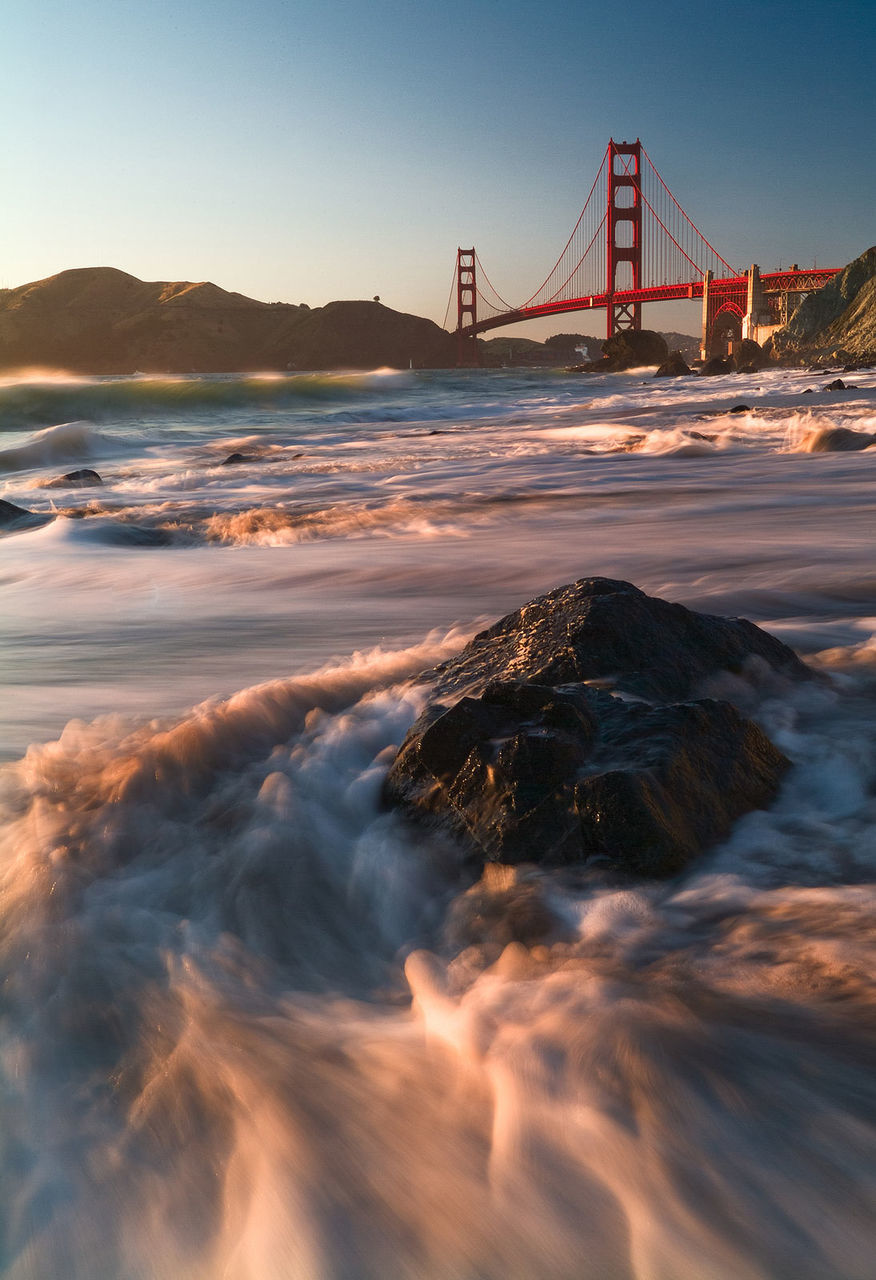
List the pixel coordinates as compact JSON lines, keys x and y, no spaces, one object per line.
{"x":633,"y":244}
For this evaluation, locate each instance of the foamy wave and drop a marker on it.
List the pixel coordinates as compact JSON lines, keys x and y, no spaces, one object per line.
{"x":277,"y":527}
{"x":833,"y":439}
{"x":67,"y":442}
{"x":26,"y":401}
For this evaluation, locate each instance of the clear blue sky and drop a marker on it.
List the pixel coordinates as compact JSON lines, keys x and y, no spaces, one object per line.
{"x":306,"y":151}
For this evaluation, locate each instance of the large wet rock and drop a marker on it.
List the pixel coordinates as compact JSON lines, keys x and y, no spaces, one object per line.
{"x":634,"y":347}
{"x":525,"y":762}
{"x":610,"y":631}
{"x":527,"y":773}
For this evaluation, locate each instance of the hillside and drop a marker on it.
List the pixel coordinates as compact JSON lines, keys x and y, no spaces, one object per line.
{"x":836,"y":322}
{"x":100,"y":320}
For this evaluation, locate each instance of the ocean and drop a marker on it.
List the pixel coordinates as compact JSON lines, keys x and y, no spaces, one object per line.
{"x":250,"y":1027}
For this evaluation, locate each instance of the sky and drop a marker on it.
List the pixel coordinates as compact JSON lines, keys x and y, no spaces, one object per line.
{"x":309,"y":150}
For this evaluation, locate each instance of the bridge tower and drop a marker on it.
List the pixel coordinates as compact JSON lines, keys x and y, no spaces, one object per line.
{"x":467,"y":352}
{"x":624,"y":232}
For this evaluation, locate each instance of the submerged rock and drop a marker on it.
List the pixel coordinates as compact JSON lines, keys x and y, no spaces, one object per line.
{"x":525,"y":762}
{"x":82,"y":479}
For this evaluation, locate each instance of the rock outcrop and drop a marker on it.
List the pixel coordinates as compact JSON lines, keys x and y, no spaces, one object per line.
{"x":634,"y":347}
{"x":837,"y":321}
{"x":525,"y":762}
{"x":627,"y":350}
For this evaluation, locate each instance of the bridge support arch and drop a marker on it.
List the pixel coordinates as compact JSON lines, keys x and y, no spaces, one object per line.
{"x":724,"y":303}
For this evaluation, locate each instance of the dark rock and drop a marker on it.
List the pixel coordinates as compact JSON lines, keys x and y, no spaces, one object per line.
{"x":608,"y":630}
{"x":634,"y":347}
{"x":82,"y":479}
{"x":15,"y":518}
{"x":717,"y":365}
{"x":675,"y":366}
{"x":741,"y":408}
{"x":837,"y":385}
{"x":10,"y":513}
{"x":527,"y":773}
{"x":234,"y":458}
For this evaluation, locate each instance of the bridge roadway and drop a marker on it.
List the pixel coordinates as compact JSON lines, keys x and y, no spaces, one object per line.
{"x":726,"y":287}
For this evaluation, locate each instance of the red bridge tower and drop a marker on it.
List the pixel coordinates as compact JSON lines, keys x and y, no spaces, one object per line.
{"x":624,"y":233}
{"x":467,"y":352}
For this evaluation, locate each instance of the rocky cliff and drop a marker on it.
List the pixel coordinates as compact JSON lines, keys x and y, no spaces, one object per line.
{"x":836,"y":322}
{"x":100,"y":320}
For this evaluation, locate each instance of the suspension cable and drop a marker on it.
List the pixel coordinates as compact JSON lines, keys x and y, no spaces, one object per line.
{"x":574,"y":229}
{"x":656,"y":172}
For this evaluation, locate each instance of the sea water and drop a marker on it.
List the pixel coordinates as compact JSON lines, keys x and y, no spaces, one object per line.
{"x":252,"y":1025}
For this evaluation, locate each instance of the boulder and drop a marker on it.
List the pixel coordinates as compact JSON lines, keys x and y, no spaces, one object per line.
{"x":674,"y":366}
{"x":529,"y":773}
{"x":85,"y":478}
{"x":610,"y":631}
{"x":634,"y":347}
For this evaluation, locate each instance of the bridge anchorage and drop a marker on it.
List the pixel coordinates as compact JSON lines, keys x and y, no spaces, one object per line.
{"x":634,"y":244}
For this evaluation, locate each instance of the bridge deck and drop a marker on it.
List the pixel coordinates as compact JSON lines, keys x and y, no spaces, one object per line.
{"x":772,"y":283}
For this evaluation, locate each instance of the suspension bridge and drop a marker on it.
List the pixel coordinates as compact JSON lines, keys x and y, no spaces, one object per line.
{"x":634,"y":244}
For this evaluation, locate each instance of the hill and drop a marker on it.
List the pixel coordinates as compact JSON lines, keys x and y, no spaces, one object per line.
{"x":836,"y":322}
{"x":101,"y":320}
